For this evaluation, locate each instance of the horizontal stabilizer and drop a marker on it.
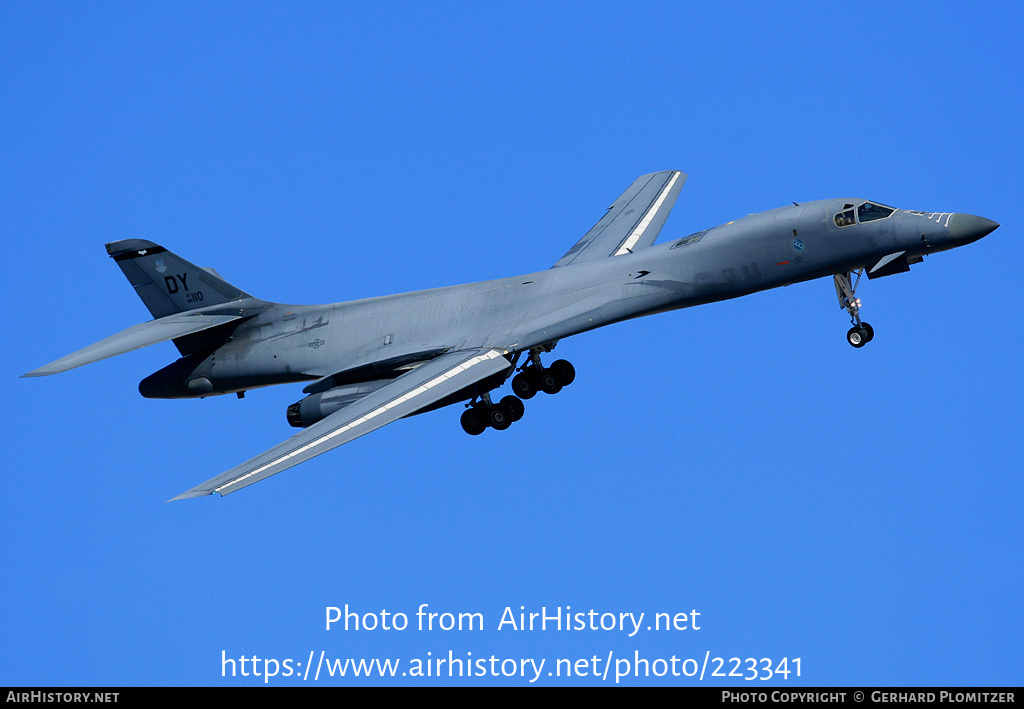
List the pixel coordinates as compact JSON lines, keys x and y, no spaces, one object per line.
{"x":136,"y":337}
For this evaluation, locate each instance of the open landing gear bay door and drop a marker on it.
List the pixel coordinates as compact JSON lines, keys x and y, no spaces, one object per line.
{"x":428,"y":383}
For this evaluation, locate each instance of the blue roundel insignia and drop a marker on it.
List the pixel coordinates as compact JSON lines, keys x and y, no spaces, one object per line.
{"x":798,"y":245}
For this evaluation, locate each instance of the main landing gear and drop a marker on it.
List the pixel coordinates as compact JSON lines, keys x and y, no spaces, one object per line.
{"x":861,"y":333}
{"x":484,"y":413}
{"x":532,"y":377}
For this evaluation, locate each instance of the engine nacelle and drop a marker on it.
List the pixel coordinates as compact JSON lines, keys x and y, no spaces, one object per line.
{"x":317,"y":406}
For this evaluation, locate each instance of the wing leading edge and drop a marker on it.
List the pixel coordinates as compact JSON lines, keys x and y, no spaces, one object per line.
{"x":632,"y":222}
{"x":428,"y":383}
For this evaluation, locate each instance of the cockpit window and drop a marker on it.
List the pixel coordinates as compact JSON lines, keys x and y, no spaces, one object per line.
{"x":845,"y":218}
{"x":869,"y":211}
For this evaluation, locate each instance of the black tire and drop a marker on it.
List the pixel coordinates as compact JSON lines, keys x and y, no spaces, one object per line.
{"x":513,"y":406}
{"x":473,"y":421}
{"x":549,"y":383}
{"x":500,"y":420}
{"x":869,"y":332}
{"x":524,"y":385}
{"x":565,"y":372}
{"x":858,"y":337}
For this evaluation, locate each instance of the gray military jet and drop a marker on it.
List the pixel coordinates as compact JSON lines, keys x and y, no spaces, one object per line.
{"x":370,"y":362}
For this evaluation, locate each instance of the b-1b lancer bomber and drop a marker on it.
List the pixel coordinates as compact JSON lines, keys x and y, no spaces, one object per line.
{"x":370,"y":362}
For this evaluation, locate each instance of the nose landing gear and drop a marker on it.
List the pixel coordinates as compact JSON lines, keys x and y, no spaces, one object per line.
{"x":861,"y":333}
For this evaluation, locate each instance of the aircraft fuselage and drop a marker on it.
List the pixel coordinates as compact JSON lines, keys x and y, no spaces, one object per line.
{"x":371,"y":337}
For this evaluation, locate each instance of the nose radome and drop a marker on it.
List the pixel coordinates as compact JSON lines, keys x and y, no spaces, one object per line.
{"x":965,"y":228}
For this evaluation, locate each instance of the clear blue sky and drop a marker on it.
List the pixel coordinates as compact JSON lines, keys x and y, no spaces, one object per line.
{"x":857,"y":509}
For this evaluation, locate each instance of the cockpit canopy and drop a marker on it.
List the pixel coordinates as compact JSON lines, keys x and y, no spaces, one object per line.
{"x":866,"y":212}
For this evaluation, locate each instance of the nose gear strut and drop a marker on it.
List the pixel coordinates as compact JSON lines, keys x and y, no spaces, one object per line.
{"x":861,"y":333}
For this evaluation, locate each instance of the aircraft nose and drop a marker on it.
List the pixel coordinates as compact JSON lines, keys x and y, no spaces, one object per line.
{"x":965,"y":228}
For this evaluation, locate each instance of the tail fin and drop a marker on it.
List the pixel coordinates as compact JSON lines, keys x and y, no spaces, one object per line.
{"x":167,"y":283}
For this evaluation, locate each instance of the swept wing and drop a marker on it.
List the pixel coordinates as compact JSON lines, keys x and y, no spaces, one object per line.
{"x":632,"y":222}
{"x":407,"y":394}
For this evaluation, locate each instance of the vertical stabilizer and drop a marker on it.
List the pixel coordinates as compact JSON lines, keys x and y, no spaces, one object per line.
{"x":166,"y":282}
